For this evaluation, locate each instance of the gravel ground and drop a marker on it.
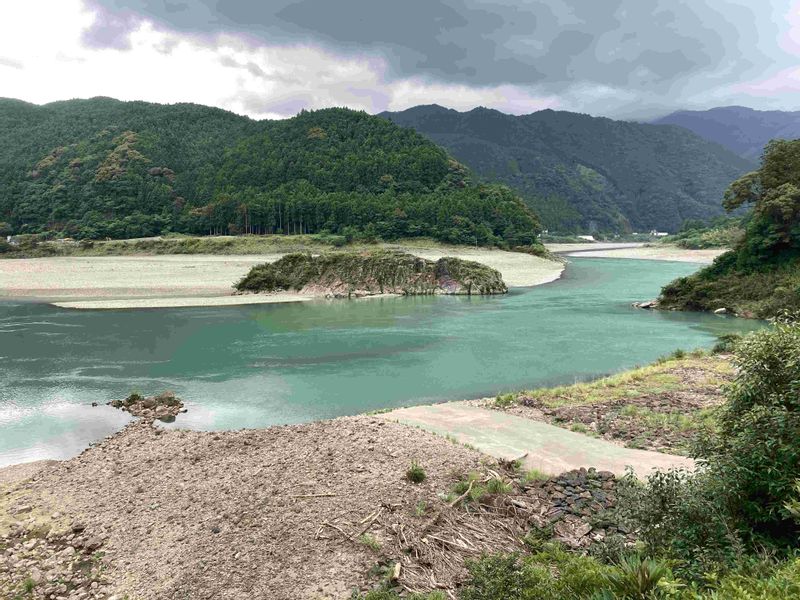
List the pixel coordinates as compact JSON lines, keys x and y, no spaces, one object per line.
{"x":272,"y":513}
{"x":299,"y":512}
{"x":638,"y":251}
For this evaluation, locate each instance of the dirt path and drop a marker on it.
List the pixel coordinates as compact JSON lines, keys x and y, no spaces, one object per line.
{"x":548,"y":448}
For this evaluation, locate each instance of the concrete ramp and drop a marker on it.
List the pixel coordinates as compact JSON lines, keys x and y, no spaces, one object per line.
{"x":549,"y":449}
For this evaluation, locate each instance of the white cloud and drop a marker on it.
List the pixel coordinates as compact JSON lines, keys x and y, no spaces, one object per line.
{"x":225,"y":70}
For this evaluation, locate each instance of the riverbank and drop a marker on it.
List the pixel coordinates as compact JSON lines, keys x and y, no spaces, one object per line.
{"x":204,"y":280}
{"x":150,"y":512}
{"x":662,"y":407}
{"x":637,"y":251}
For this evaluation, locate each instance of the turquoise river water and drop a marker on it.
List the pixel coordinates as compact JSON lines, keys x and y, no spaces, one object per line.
{"x":253,"y":366}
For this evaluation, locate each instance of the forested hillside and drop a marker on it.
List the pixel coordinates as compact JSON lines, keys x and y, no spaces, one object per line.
{"x":104,"y":168}
{"x":761,"y":276}
{"x":582,"y":173}
{"x":741,"y":130}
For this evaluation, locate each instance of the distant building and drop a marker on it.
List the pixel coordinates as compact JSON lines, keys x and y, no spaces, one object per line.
{"x":655,"y":233}
{"x":588,"y":238}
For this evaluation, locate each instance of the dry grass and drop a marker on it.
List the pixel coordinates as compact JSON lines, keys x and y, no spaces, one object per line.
{"x":663,"y":376}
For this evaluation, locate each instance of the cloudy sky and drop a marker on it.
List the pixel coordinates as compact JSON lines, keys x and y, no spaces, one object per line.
{"x":270,"y":58}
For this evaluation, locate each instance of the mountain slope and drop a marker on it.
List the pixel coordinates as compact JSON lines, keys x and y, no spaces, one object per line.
{"x":586,"y":173}
{"x":105,"y":168}
{"x":741,"y":130}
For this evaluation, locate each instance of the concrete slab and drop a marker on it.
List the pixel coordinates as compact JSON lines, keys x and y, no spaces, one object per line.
{"x":548,"y":448}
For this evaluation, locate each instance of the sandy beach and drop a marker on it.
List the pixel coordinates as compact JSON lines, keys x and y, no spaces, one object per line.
{"x":637,"y":251}
{"x":199,"y":280}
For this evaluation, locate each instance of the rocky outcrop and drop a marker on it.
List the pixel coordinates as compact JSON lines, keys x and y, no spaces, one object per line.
{"x":164,"y":406}
{"x":648,"y":304}
{"x":348,"y":274}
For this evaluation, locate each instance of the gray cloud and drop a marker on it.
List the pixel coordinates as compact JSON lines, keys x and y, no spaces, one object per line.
{"x":111,"y":28}
{"x":658,"y":50}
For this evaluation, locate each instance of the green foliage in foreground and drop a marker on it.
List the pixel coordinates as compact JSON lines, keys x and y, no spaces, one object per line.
{"x":98,"y":168}
{"x":761,"y":275}
{"x":378,"y":271}
{"x":741,"y":501}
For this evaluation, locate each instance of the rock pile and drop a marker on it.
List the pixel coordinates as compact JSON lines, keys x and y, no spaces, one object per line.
{"x":164,"y":407}
{"x":574,"y":500}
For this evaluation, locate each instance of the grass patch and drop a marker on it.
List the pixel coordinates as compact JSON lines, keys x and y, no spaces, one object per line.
{"x":653,"y":379}
{"x":370,"y":541}
{"x":505,"y":400}
{"x":533,"y":475}
{"x":415,"y":473}
{"x":701,"y":419}
{"x":579,"y":428}
{"x":497,"y":486}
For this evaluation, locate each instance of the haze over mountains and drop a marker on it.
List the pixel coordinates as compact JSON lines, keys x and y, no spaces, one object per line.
{"x":739,"y":129}
{"x":587,"y":173}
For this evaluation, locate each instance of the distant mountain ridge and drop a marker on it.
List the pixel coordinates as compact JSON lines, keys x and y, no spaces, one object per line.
{"x":742,"y":130}
{"x":583,"y":173}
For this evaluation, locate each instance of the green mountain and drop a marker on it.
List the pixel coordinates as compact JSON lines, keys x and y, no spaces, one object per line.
{"x":742,"y":130}
{"x":583,"y":173}
{"x":105,"y":168}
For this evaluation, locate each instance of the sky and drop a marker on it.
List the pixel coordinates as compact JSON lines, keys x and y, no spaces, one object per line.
{"x":631,"y":59}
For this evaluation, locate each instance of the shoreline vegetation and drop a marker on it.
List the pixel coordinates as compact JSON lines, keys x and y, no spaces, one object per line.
{"x":432,"y":517}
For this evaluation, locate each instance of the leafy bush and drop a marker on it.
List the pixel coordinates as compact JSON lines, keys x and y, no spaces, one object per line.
{"x":555,"y":574}
{"x":756,"y":451}
{"x":741,"y":499}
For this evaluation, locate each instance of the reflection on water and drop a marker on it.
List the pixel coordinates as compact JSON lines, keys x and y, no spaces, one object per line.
{"x":251,"y":366}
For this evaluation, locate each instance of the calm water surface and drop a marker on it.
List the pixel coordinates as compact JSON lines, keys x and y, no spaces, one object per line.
{"x":253,"y":366}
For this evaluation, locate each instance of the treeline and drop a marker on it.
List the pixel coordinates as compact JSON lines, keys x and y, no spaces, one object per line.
{"x":101,"y":168}
{"x":484,"y":215}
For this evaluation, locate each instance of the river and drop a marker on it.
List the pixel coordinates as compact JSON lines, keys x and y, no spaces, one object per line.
{"x":253,"y":366}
